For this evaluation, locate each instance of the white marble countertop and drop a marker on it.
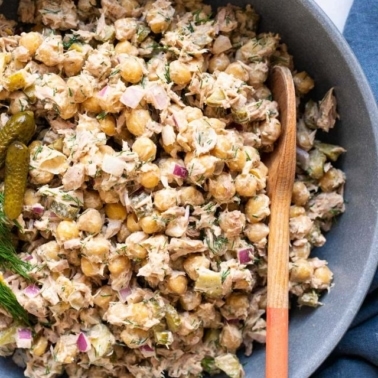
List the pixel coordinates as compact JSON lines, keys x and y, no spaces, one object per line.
{"x":337,"y":10}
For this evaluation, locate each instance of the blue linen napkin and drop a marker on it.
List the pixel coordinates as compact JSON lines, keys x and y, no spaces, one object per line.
{"x":356,"y":356}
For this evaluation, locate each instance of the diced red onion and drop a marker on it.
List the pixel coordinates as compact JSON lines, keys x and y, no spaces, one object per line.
{"x":124,"y":293}
{"x":38,"y":209}
{"x":132,"y":96}
{"x":52,"y":216}
{"x":159,"y":97}
{"x":232,"y":321}
{"x":180,"y":171}
{"x":103,"y":91}
{"x":28,"y":258}
{"x":147,"y":351}
{"x":179,"y":121}
{"x":303,"y":158}
{"x":32,"y":290}
{"x":83,"y":343}
{"x":24,"y":338}
{"x":244,"y":255}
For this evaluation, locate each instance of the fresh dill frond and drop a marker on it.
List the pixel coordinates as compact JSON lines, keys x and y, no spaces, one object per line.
{"x":9,"y":259}
{"x":8,"y":302}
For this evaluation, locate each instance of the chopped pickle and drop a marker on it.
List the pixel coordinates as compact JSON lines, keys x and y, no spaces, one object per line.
{"x":20,"y":126}
{"x":16,"y":174}
{"x":309,"y":299}
{"x":216,"y":98}
{"x":64,"y":210}
{"x":164,"y":338}
{"x":209,"y":282}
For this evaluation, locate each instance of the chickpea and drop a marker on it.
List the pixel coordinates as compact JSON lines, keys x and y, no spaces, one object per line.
{"x":115,"y":211}
{"x":92,"y":200}
{"x":90,"y":221}
{"x":238,"y":71}
{"x":151,"y":224}
{"x":192,"y":113}
{"x":270,"y":130}
{"x":89,"y":268}
{"x":256,"y":232}
{"x":67,"y":230}
{"x":189,"y":195}
{"x":301,"y":271}
{"x":190,"y":300}
{"x":103,"y":297}
{"x":324,"y":275}
{"x":97,"y":248}
{"x":296,"y":211}
{"x":246,"y":185}
{"x":223,"y":148}
{"x":193,"y":263}
{"x":303,"y":82}
{"x":331,"y":180}
{"x":91,"y":105}
{"x":31,"y":197}
{"x":177,"y":285}
{"x":145,"y":148}
{"x":257,"y":208}
{"x":222,"y":187}
{"x":230,"y":337}
{"x":131,"y":69}
{"x":219,"y":63}
{"x":134,"y":337}
{"x":108,"y":125}
{"x":300,"y":194}
{"x":137,"y":120}
{"x":119,"y":265}
{"x":150,"y":176}
{"x":216,"y":123}
{"x":136,"y":251}
{"x":31,"y":41}
{"x":132,"y":223}
{"x":179,"y":73}
{"x":237,"y":301}
{"x":301,"y":250}
{"x":164,"y":199}
{"x":125,"y":47}
{"x":238,"y":161}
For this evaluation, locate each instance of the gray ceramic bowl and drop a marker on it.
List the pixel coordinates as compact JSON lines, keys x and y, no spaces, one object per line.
{"x":351,"y":247}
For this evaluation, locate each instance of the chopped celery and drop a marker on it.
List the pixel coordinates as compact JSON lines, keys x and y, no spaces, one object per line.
{"x":172,"y":318}
{"x":309,"y":299}
{"x":316,"y":164}
{"x":216,"y":98}
{"x":230,"y":364}
{"x":330,"y":150}
{"x":7,"y":336}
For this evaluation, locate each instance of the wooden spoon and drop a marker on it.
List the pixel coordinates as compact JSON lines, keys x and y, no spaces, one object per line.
{"x":281,"y":164}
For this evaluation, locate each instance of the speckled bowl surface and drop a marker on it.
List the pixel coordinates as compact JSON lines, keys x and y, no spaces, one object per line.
{"x":352,"y":245}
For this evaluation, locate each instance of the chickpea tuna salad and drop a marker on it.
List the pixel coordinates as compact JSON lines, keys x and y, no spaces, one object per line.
{"x":133,"y":211}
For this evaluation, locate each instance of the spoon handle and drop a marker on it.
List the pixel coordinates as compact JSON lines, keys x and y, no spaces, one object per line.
{"x":280,"y":186}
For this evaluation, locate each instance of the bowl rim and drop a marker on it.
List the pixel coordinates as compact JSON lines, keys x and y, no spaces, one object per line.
{"x":368,"y":99}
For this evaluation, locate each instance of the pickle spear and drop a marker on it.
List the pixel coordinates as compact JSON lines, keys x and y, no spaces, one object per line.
{"x":16,"y":173}
{"x":20,"y":126}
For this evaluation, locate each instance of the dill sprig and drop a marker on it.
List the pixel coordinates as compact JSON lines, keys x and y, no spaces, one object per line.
{"x":8,"y":256}
{"x":8,"y":302}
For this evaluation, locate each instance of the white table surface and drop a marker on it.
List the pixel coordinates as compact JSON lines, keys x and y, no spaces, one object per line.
{"x":337,"y":10}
